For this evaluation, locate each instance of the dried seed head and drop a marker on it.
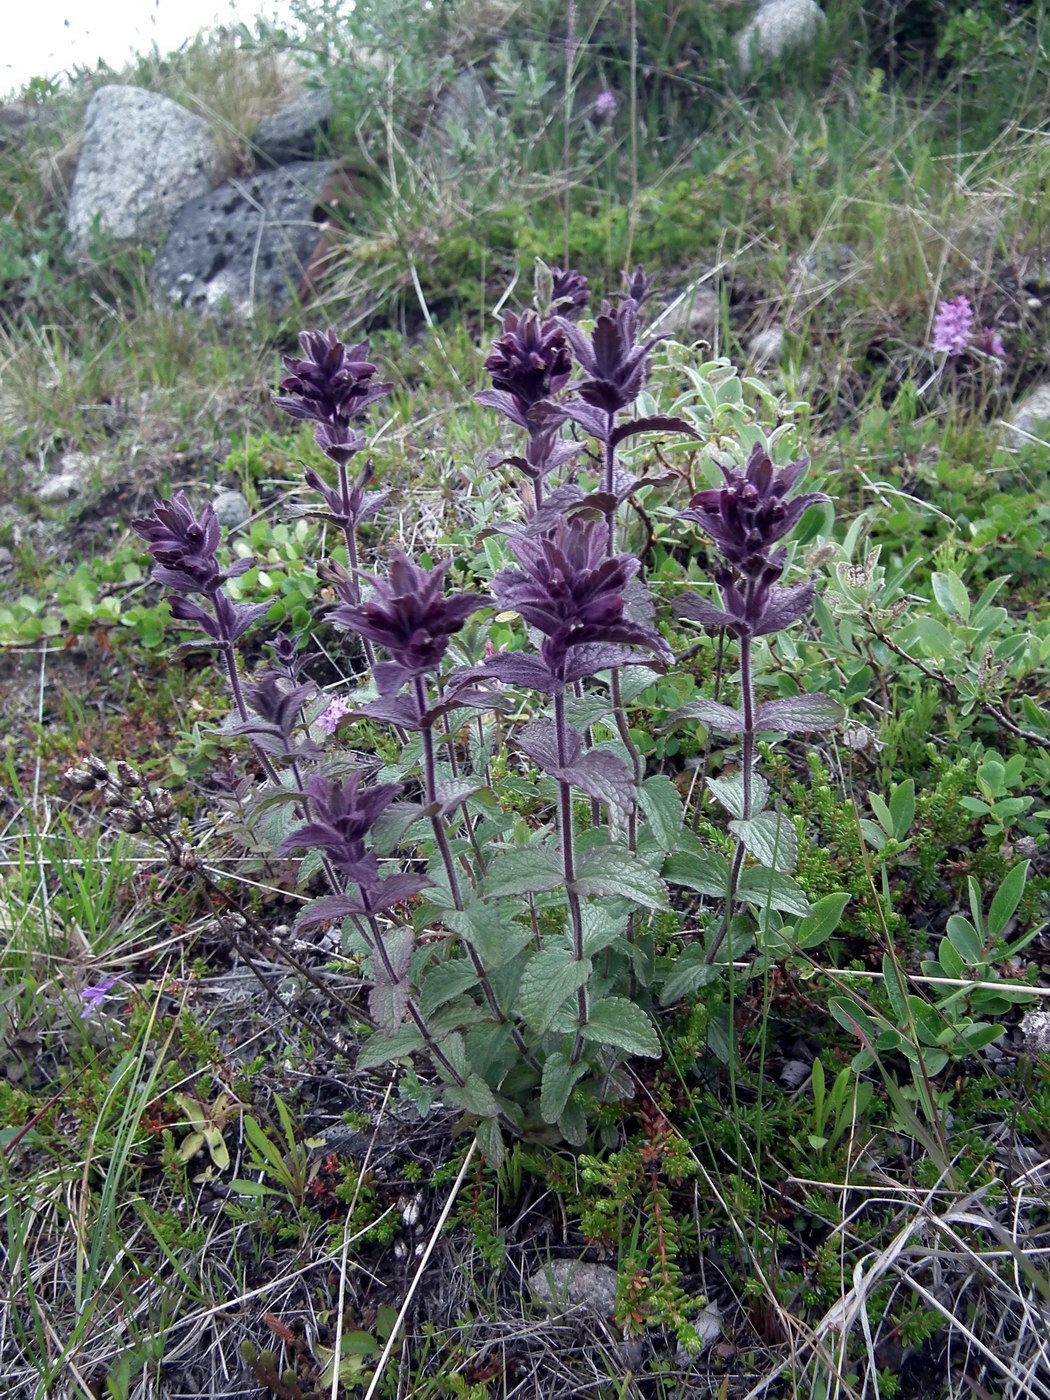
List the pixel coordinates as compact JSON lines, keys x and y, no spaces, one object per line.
{"x":128,"y":821}
{"x":127,"y":775}
{"x":112,"y":796}
{"x":162,"y":803}
{"x":81,"y":778}
{"x":95,"y":766}
{"x":186,"y":858}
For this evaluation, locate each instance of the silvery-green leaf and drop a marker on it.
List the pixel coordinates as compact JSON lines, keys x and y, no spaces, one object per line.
{"x":444,"y":981}
{"x":691,"y":971}
{"x":770,"y":838}
{"x":601,"y":927}
{"x":491,"y":930}
{"x":474,"y":1095}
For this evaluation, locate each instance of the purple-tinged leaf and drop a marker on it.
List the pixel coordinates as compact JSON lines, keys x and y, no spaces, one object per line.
{"x":656,"y":423}
{"x":591,"y":420}
{"x":397,"y":945}
{"x":800,"y":714}
{"x":514,"y":668}
{"x":783,"y":607}
{"x":452,"y":793}
{"x":395,"y":709}
{"x":387,"y":1004}
{"x":539,"y":741}
{"x":607,"y":778}
{"x":185,"y":611}
{"x":711,"y":713}
{"x":245,"y":615}
{"x":700,"y":610}
{"x":589,"y":658}
{"x":395,"y":889}
{"x":329,"y":909}
{"x":504,"y":403}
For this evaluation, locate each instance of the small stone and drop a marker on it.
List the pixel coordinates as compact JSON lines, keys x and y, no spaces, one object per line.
{"x":231,"y":509}
{"x":793,"y":1074}
{"x":295,"y":133}
{"x":565,"y":1284}
{"x":708,"y":1329}
{"x":63,"y":487}
{"x":765,"y":346}
{"x":1035,"y":1032}
{"x":6,"y":557}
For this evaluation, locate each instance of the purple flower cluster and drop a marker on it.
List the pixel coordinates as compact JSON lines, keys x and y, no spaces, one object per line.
{"x":744,"y":519}
{"x":953,"y":332}
{"x":330,"y":384}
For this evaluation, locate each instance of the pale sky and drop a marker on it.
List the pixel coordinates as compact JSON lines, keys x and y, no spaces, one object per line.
{"x":43,"y":38}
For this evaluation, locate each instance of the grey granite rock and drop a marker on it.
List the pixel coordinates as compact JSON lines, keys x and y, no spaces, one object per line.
{"x":74,"y":472}
{"x":570,"y":1283}
{"x":1031,"y":416}
{"x":765,"y":347}
{"x":143,"y":156}
{"x":245,"y":246}
{"x":779,"y":26}
{"x":231,"y":509}
{"x":296,"y":133}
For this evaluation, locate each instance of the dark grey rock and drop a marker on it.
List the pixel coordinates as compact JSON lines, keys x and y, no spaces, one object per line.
{"x":143,"y":156}
{"x":245,"y":246}
{"x":231,"y":509}
{"x":565,"y":1284}
{"x":296,"y":133}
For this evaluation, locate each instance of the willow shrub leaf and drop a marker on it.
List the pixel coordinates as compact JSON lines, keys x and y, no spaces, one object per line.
{"x":618,"y":1022}
{"x":1006,"y":899}
{"x":550,"y":977}
{"x":613,"y":870}
{"x":822,"y":922}
{"x":770,"y":838}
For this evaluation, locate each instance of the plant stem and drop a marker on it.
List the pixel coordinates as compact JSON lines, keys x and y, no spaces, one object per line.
{"x":747,"y":705}
{"x":569,"y":867}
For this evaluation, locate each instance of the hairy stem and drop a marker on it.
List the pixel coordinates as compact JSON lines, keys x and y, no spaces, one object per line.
{"x":569,"y":866}
{"x":747,"y":705}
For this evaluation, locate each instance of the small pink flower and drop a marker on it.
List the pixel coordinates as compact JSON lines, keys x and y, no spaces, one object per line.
{"x":953,"y":326}
{"x":96,"y":995}
{"x":328,"y":719}
{"x":605,"y":105}
{"x":989,"y":343}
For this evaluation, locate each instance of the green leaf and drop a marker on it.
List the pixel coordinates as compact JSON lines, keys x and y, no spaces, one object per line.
{"x":729,"y":791}
{"x":490,"y":1141}
{"x":691,"y":971}
{"x":707,"y":874}
{"x":800,"y":714}
{"x":965,"y":940}
{"x":850,"y":1016}
{"x":492,"y":930}
{"x":378,"y":1049}
{"x":524,"y":870}
{"x":709,"y":712}
{"x":619,"y":1022}
{"x":894,"y":990}
{"x":659,"y":800}
{"x":559,"y":1077}
{"x":613,"y":870}
{"x":883,"y":815}
{"x":950,"y":592}
{"x":475,"y":1096}
{"x":935,"y":637}
{"x":601,"y":927}
{"x":823,"y":921}
{"x":444,"y":981}
{"x":549,"y":979}
{"x":951,"y":964}
{"x":770,"y":838}
{"x":978,"y":1036}
{"x":902,"y":808}
{"x":1006,"y":899}
{"x":771,"y":890}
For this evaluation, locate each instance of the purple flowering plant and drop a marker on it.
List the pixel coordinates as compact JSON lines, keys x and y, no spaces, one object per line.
{"x":539,"y":975}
